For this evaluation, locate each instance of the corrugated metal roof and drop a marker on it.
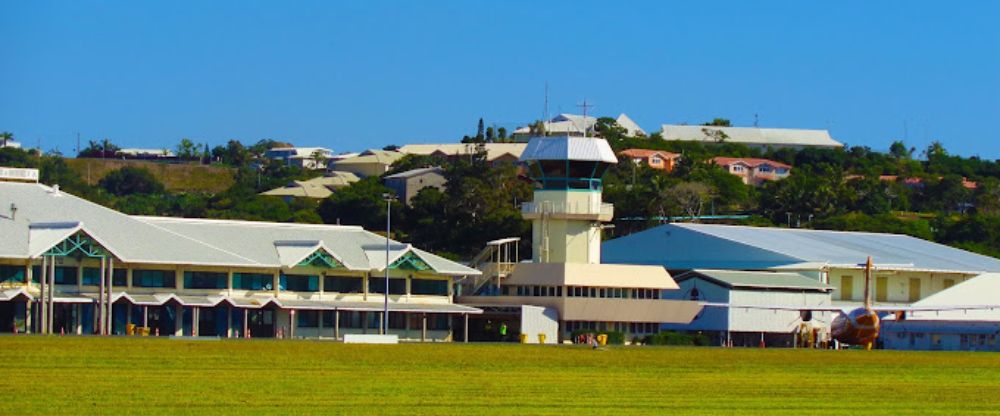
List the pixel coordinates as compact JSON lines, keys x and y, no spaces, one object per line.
{"x":692,"y":246}
{"x":155,"y":240}
{"x":414,"y":172}
{"x":493,"y":150}
{"x":750,"y":135}
{"x":762,"y":280}
{"x":41,"y":204}
{"x":569,"y":148}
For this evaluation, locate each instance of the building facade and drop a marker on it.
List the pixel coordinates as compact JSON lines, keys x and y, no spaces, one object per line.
{"x":407,"y":184}
{"x":753,"y":171}
{"x":654,"y":159}
{"x":70,"y":266}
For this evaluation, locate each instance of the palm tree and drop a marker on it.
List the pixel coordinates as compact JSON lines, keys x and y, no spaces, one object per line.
{"x":6,"y":136}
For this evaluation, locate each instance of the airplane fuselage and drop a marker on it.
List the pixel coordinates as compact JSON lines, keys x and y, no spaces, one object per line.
{"x":857,"y":327}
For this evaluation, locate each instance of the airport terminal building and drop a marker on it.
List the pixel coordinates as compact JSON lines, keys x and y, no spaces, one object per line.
{"x":70,"y":266}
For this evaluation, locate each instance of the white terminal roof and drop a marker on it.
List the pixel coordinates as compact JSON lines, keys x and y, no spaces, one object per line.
{"x":750,"y":135}
{"x":693,"y":246}
{"x":588,"y":149}
{"x":46,"y":216}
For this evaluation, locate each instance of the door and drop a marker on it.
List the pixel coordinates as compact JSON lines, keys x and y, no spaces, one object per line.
{"x":846,"y":287}
{"x":914,"y":290}
{"x":881,"y":288}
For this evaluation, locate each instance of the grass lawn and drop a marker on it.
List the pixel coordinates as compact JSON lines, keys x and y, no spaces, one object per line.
{"x":83,"y":375}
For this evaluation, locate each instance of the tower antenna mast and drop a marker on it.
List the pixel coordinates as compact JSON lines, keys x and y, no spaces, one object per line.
{"x":585,"y":105}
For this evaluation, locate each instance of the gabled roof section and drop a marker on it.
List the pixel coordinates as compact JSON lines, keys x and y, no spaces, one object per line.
{"x":748,"y":161}
{"x":756,"y":280}
{"x":72,"y":236}
{"x":292,"y":253}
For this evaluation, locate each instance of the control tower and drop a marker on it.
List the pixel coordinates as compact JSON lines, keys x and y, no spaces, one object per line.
{"x":567,"y":211}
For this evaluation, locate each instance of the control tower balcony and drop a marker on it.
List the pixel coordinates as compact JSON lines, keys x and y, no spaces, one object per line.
{"x":590,"y":211}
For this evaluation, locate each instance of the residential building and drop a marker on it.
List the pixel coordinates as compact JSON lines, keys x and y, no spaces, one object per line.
{"x":907,"y":269}
{"x":654,"y":159}
{"x":753,"y":171}
{"x":137,"y":153}
{"x":71,"y":266}
{"x":495,"y":152}
{"x":303,"y":157}
{"x":316,"y":188}
{"x":372,"y":162}
{"x":11,"y":144}
{"x":950,"y":330}
{"x":754,"y":137}
{"x":407,"y":184}
{"x":745,"y":326}
{"x":577,"y":125}
{"x":565,"y":273}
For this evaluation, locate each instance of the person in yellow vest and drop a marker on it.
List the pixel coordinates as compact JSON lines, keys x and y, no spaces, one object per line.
{"x":503,"y":331}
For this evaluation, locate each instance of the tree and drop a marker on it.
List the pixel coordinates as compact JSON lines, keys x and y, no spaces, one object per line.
{"x":6,"y":136}
{"x":502,"y":132}
{"x":899,"y":150}
{"x":480,"y":131}
{"x":490,"y":134}
{"x":720,"y":122}
{"x":361,"y":203}
{"x":130,"y":180}
{"x":690,"y":197}
{"x":319,"y":158}
{"x":186,"y":150}
{"x":103,"y":149}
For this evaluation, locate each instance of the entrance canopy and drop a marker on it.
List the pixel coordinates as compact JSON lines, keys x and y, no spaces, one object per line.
{"x":303,"y":304}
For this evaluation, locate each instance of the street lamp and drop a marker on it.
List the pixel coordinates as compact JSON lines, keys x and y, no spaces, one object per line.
{"x":388,"y":197}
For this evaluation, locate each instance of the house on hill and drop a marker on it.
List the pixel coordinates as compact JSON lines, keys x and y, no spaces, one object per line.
{"x":407,"y":184}
{"x":754,"y":137}
{"x":578,"y":125}
{"x":303,"y":157}
{"x":372,"y":162}
{"x":753,"y":171}
{"x":654,"y":159}
{"x":495,"y":152}
{"x":316,"y":188}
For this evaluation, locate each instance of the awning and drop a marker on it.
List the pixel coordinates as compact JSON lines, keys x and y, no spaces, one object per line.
{"x":11,"y":294}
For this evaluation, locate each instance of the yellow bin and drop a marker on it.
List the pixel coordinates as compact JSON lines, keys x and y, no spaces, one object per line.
{"x":602,"y":339}
{"x":524,"y":338}
{"x":541,"y":338}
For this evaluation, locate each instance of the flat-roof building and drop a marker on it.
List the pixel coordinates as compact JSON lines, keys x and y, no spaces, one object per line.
{"x":762,"y":138}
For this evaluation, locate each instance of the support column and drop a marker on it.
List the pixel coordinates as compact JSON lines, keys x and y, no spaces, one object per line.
{"x":336,"y":324}
{"x":145,"y":316}
{"x":178,"y":320}
{"x":99,"y":323}
{"x":466,"y":328}
{"x":52,"y":294}
{"x":246,"y":323}
{"x":381,"y":321}
{"x":195,"y":320}
{"x":110,"y":316}
{"x":43,"y":297}
{"x":291,"y":323}
{"x":423,"y":327}
{"x":229,"y":321}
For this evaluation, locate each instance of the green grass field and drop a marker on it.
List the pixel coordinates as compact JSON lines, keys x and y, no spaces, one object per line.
{"x":161,"y":376}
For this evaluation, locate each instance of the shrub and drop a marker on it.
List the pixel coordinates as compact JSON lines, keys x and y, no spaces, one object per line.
{"x":676,"y":338}
{"x":614,"y":337}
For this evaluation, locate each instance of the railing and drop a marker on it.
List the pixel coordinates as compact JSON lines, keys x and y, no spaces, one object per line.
{"x":569,"y":208}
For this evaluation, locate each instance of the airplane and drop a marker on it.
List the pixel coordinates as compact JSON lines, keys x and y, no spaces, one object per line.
{"x":859,"y":326}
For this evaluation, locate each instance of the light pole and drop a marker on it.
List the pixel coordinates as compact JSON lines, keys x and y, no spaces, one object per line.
{"x":388,"y":228}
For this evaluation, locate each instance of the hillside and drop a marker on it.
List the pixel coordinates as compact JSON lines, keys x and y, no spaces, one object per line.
{"x":176,"y":177}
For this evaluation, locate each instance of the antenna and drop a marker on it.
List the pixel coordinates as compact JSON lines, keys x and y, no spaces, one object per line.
{"x":545,"y":111}
{"x":585,"y":106}
{"x":77,"y":142}
{"x":756,"y":119}
{"x":868,"y":281}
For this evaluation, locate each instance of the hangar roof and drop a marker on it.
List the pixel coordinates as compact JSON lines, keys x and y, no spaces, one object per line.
{"x":756,"y":280}
{"x":692,"y":246}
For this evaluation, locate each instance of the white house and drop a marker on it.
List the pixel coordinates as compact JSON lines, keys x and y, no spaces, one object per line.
{"x":577,"y":125}
{"x":304,"y":157}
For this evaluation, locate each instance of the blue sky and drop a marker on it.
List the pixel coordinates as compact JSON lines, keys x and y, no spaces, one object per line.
{"x":354,"y":75}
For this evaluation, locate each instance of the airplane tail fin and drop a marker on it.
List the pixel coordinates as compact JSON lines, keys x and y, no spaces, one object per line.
{"x":868,"y":283}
